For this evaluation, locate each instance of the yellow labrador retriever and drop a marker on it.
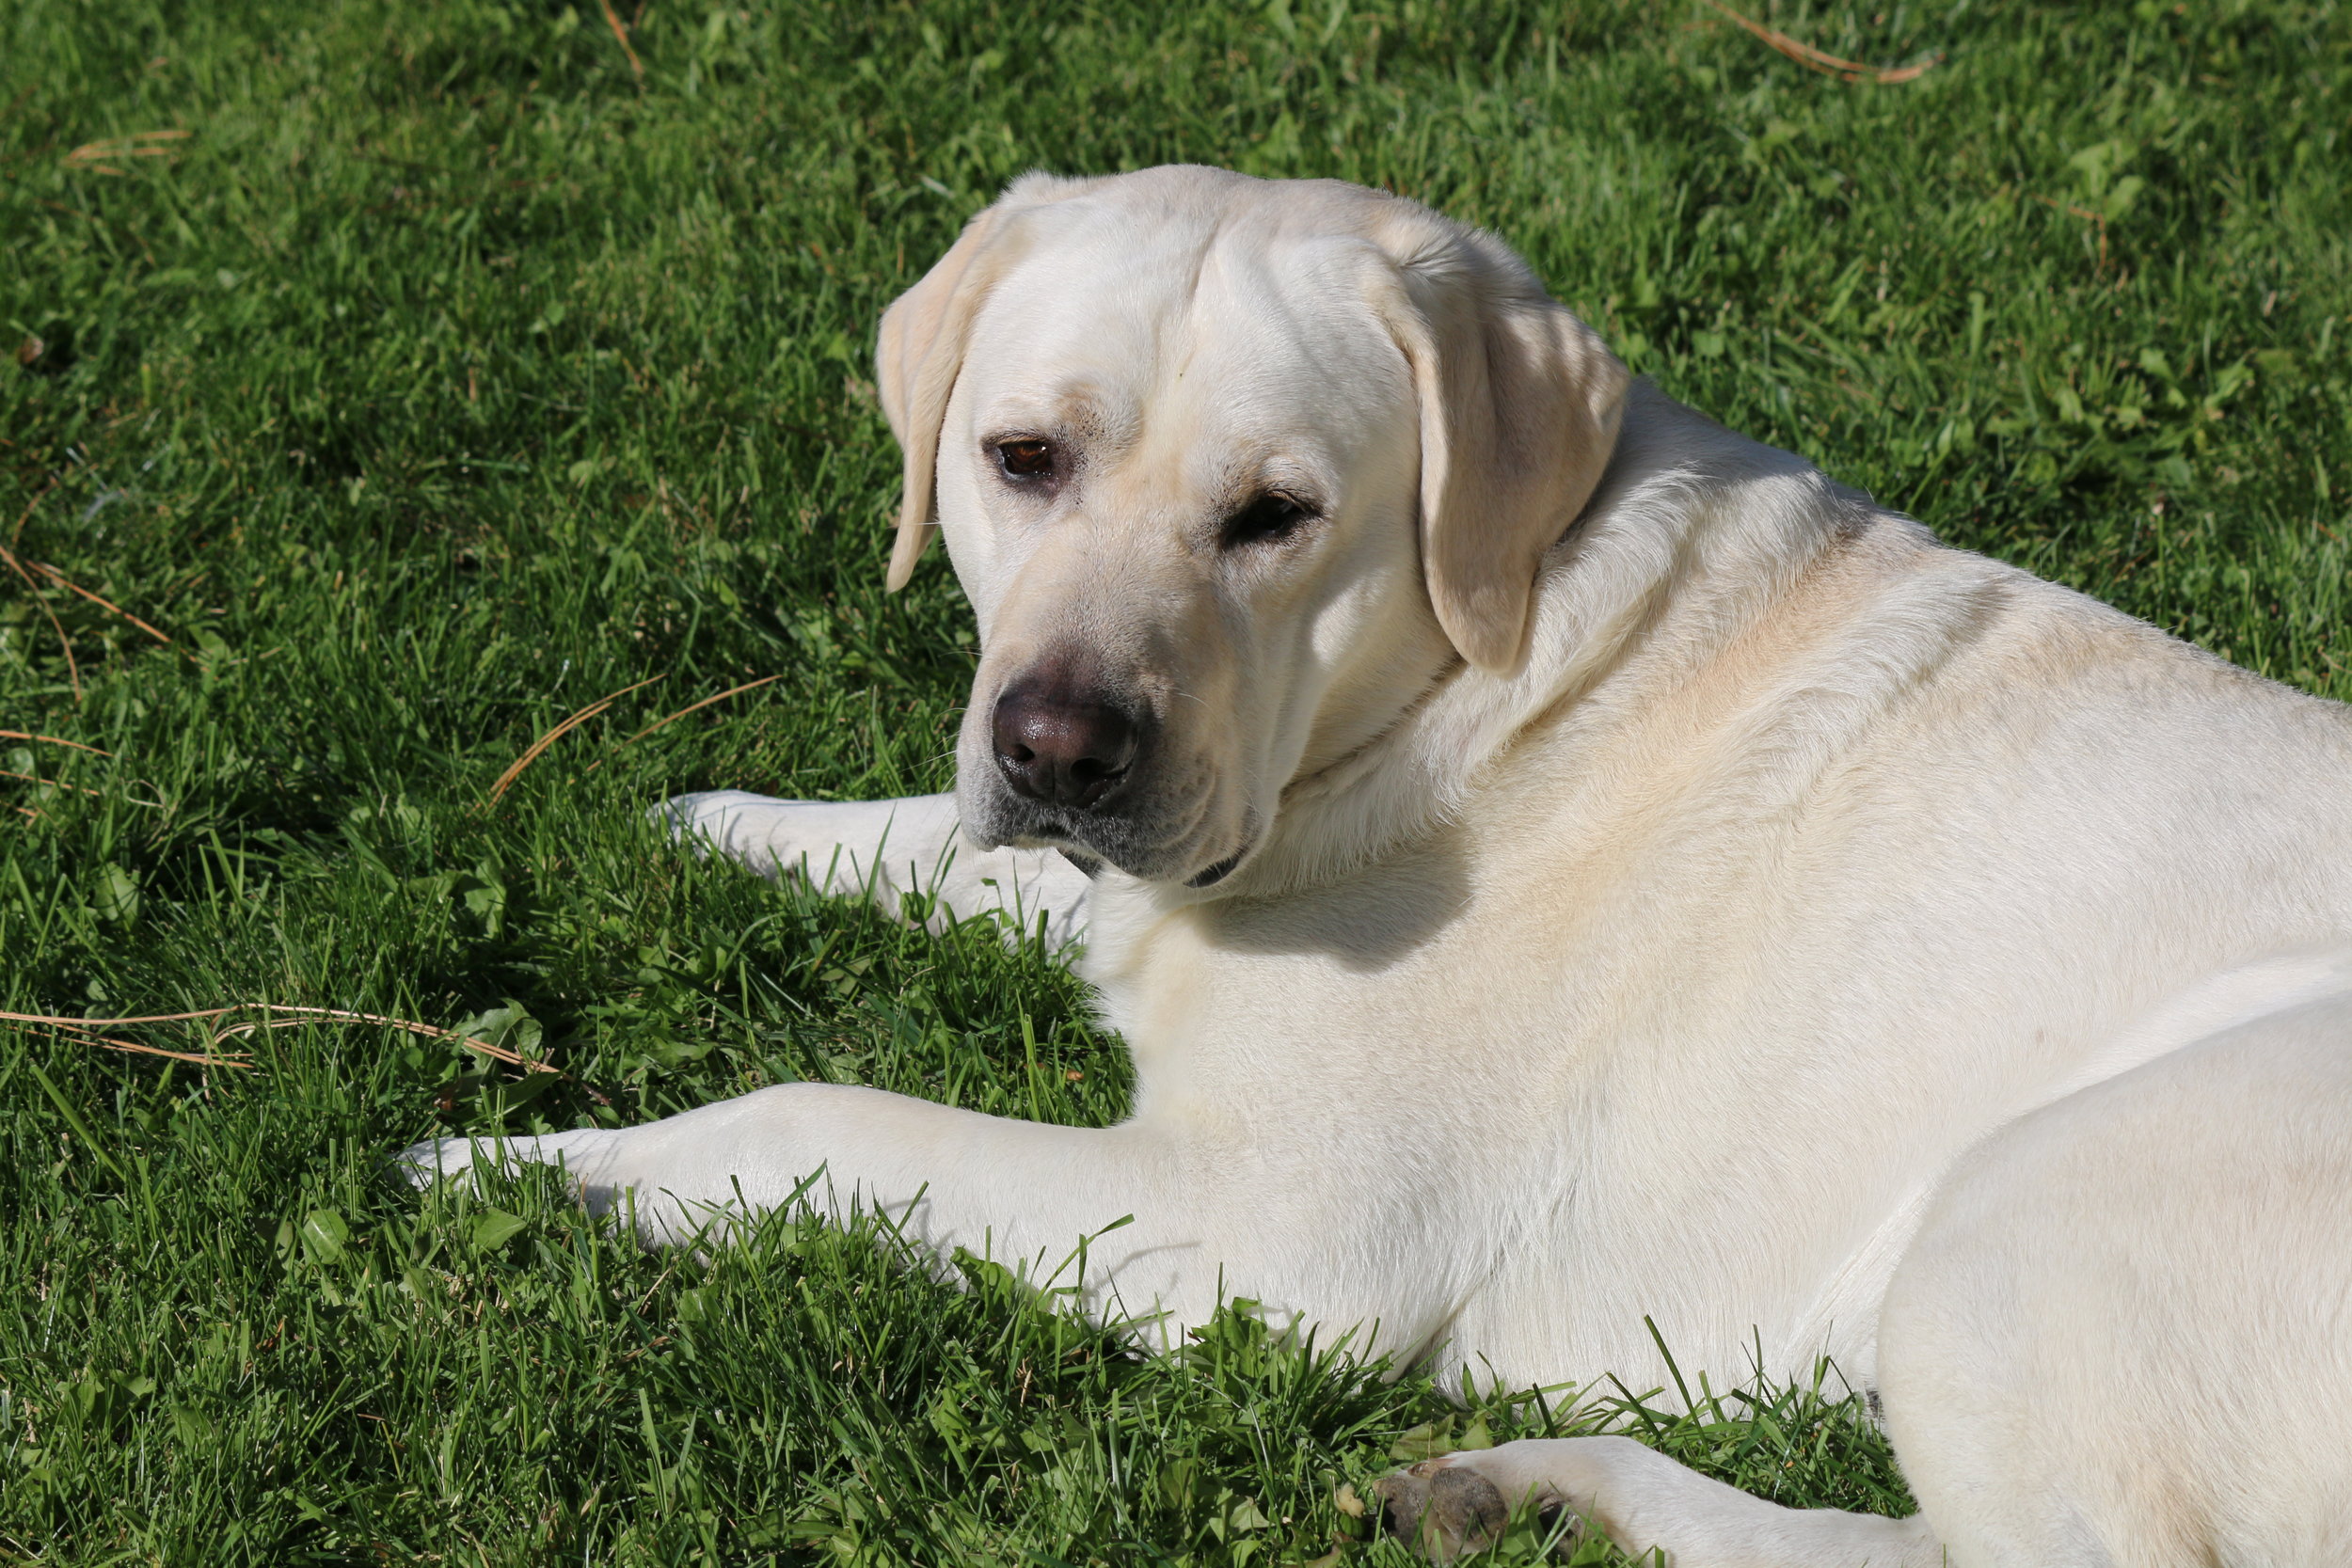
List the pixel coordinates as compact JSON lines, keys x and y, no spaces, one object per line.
{"x":1558,"y":864}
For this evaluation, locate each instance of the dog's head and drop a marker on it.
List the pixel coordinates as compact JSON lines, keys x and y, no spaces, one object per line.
{"x":1230,"y":469}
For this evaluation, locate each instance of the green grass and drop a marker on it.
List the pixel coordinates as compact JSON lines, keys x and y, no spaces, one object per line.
{"x":445,"y":377}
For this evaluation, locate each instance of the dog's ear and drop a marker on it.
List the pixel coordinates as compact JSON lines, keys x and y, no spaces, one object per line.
{"x":916,"y":360}
{"x":920,"y":351}
{"x":1520,"y":408}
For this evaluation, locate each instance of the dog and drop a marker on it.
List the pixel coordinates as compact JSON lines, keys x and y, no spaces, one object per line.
{"x":1561,"y":867}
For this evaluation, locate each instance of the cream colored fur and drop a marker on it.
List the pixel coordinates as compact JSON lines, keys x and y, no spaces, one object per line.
{"x":1760,"y":919}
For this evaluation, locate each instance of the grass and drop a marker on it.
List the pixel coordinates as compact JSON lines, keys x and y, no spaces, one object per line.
{"x":422,"y":375}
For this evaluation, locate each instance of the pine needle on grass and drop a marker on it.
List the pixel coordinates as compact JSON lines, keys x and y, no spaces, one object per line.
{"x":72,"y":666}
{"x":234,"y":1059}
{"x":50,"y":740}
{"x":301,"y":1015}
{"x":60,"y":579}
{"x":505,"y":781}
{"x":26,"y":516}
{"x":95,"y":156}
{"x":691,"y":707}
{"x":2097,"y":220}
{"x":1805,"y":54}
{"x":35,"y":778}
{"x":611,"y":20}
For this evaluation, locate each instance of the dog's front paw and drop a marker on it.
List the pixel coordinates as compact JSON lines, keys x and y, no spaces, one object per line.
{"x":755,"y":831}
{"x":421,"y":1165}
{"x":587,"y":1153}
{"x":1444,"y":1508}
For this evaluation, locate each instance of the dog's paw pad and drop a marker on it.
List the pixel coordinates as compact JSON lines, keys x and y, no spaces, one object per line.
{"x":1445,"y":1509}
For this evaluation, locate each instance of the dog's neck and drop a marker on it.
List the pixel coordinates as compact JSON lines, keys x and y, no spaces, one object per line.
{"x":1694,"y":536}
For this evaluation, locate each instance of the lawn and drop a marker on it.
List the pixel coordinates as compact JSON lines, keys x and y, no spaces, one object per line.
{"x":387,"y":384}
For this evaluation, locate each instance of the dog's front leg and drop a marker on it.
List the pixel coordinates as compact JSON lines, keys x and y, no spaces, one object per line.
{"x":1023,"y":1194}
{"x":1642,"y":1500}
{"x":885,"y":850}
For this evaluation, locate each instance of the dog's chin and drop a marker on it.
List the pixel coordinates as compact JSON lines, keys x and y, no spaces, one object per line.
{"x":1179,"y":866}
{"x":1091,"y":844}
{"x":1218,"y":871}
{"x":1175,"y":870}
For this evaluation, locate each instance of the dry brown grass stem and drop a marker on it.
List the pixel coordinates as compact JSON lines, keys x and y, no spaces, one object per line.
{"x":94,"y":156}
{"x":26,"y":516}
{"x":235,"y":1059}
{"x":121,"y":1022}
{"x":691,"y":707}
{"x":60,"y":579}
{"x":52,"y":740}
{"x":612,"y":19}
{"x":1805,"y":54}
{"x":35,"y":778}
{"x":72,"y":666}
{"x":300,"y":1015}
{"x":2097,"y":220}
{"x":514,"y":771}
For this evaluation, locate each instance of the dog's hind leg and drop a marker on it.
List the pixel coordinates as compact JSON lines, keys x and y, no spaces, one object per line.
{"x":1643,"y":1501}
{"x":885,"y":850}
{"x":2123,"y":1334}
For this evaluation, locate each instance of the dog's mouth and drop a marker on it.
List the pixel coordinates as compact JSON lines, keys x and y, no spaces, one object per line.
{"x":1178,"y":840}
{"x":1218,"y":872}
{"x":1091,"y":845}
{"x":1090,"y":867}
{"x":1087,"y":846}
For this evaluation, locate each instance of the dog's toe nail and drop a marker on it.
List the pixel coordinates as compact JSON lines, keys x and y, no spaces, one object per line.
{"x":1402,"y":1496}
{"x":1446,"y":1511}
{"x":1469,"y":1508}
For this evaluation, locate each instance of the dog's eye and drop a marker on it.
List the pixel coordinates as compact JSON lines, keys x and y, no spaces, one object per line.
{"x":1272,"y":517}
{"x":1024,"y":459}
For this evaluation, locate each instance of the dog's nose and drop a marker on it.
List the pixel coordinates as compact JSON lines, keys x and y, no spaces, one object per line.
{"x":1062,"y":749}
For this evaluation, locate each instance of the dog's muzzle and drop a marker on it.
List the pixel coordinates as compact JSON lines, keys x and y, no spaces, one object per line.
{"x":1078,"y":766}
{"x":1073,"y":761}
